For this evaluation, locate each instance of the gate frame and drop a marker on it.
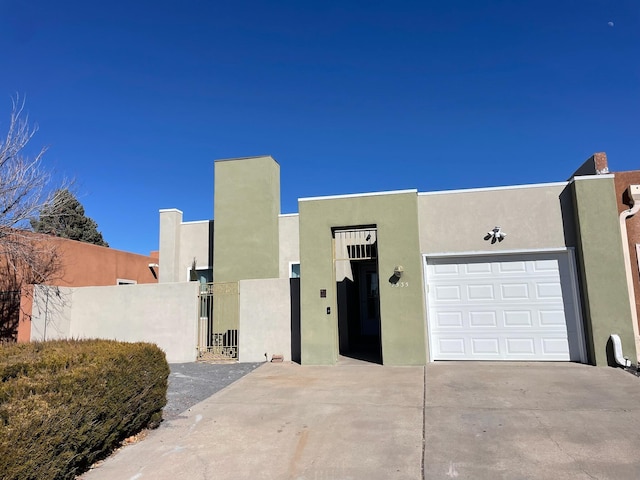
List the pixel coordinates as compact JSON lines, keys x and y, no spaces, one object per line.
{"x":218,"y":309}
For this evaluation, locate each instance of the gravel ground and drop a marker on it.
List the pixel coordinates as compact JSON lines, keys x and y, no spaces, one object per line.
{"x":190,"y":383}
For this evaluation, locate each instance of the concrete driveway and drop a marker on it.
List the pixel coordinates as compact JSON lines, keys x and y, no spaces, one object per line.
{"x":477,"y":421}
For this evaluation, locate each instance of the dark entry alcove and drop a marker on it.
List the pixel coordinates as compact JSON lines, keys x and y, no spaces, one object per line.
{"x":359,"y":313}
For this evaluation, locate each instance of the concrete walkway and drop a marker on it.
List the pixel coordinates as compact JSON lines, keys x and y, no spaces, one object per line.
{"x":478,"y":421}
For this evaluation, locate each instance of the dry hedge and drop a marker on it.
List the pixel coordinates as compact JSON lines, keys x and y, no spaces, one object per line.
{"x":66,"y":404}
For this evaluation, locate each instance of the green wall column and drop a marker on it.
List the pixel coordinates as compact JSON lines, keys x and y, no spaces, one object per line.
{"x":601,"y":265}
{"x":246,"y":209}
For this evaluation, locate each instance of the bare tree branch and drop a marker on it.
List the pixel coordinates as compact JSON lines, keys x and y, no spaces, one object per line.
{"x":24,"y":183}
{"x":25,"y":190}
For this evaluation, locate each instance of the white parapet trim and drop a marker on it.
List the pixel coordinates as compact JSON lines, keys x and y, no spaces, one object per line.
{"x":354,"y":195}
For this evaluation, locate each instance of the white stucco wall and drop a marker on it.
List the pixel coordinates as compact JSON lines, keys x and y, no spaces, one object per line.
{"x":164,"y":314}
{"x":265,"y":319}
{"x":289,"y":242}
{"x":194,"y":243}
{"x":169,"y":244}
{"x":51,"y":313}
{"x":181,"y":242}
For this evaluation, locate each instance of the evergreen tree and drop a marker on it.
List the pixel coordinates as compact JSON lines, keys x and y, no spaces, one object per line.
{"x":65,"y":218}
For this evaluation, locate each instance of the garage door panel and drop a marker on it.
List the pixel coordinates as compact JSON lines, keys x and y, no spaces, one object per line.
{"x":485,"y":346}
{"x":514,"y":291}
{"x":520,"y":346}
{"x":523,"y":347}
{"x":549,"y":290}
{"x":480,"y":292}
{"x":491,"y":290}
{"x":446,"y":270}
{"x":447,"y":293}
{"x":549,"y":318}
{"x":517,"y":318}
{"x":526,"y":316}
{"x":451,"y":347}
{"x":545,"y":265}
{"x":511,"y":267}
{"x":483,"y":319}
{"x":555,"y":346}
{"x":510,"y":308}
{"x":478,"y":268}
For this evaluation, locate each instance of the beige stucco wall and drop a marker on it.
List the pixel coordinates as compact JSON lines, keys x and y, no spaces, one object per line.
{"x":194,"y":243}
{"x":289,"y":242}
{"x":51,"y":313}
{"x":265,"y":320}
{"x":164,"y":314}
{"x":401,"y":309}
{"x":181,"y":242}
{"x":169,"y":245}
{"x":533,"y":217}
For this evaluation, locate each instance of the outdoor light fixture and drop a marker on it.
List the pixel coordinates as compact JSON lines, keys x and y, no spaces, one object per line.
{"x":397,"y":271}
{"x":495,"y":235}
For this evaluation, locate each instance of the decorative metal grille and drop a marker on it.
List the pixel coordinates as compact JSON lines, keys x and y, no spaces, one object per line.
{"x":218,"y":322}
{"x":356,"y":244}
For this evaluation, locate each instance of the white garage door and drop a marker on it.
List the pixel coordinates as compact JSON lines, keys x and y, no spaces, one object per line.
{"x":508,"y":307}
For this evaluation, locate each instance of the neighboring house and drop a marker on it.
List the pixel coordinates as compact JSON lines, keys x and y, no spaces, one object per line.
{"x":406,"y":277}
{"x":82,"y":264}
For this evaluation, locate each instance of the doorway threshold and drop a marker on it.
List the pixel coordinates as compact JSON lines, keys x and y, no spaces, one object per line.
{"x":353,"y":361}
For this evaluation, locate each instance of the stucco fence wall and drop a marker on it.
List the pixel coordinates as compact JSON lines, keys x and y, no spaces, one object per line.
{"x":164,"y":314}
{"x":265,"y":319}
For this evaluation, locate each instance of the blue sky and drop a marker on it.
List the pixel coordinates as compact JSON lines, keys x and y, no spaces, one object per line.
{"x":136,"y":99}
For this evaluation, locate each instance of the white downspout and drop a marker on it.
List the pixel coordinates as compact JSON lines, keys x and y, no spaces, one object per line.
{"x":634,"y":197}
{"x":617,"y":352}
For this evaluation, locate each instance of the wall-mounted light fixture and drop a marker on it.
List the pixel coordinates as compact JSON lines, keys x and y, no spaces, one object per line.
{"x":495,"y":235}
{"x":398,"y":271}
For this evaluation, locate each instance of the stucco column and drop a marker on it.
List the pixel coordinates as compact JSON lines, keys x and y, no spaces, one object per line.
{"x":602,"y":269}
{"x":170,"y":220}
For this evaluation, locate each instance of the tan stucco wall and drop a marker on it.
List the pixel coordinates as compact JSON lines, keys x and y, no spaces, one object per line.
{"x":181,"y":243}
{"x":246,"y":209}
{"x":265,"y":320}
{"x":401,"y":309}
{"x":289,"y":242}
{"x":164,"y":314}
{"x":601,"y":263}
{"x":194,"y":243}
{"x":533,"y":217}
{"x":169,"y":245}
{"x":85,"y":264}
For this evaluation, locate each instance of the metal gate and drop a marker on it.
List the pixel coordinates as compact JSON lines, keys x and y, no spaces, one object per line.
{"x":218,"y":322}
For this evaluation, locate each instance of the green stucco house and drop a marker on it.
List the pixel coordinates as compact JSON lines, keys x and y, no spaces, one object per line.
{"x":518,"y":273}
